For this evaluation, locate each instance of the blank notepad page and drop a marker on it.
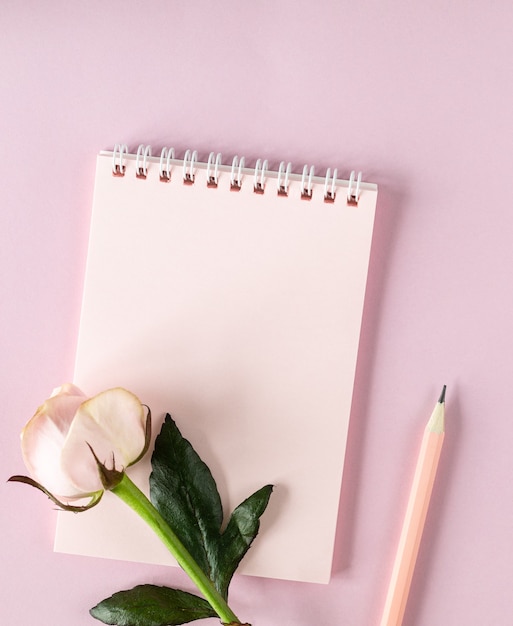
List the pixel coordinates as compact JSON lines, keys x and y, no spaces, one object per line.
{"x":238,"y":313}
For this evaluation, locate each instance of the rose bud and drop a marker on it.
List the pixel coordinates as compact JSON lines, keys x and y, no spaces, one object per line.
{"x":70,"y":438}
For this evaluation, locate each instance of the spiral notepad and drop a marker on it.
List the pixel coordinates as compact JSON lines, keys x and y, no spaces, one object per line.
{"x":231,"y":297}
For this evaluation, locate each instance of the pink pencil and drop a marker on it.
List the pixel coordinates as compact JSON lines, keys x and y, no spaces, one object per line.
{"x":415,"y":517}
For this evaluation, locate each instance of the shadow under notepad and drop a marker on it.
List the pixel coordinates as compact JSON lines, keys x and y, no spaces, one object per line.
{"x":390,"y":207}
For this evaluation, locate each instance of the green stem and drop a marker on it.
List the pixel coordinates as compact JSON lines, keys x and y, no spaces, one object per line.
{"x":135,"y":498}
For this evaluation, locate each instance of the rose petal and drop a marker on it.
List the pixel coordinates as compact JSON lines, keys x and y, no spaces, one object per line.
{"x":113,"y":424}
{"x":68,"y":389}
{"x":42,"y":440}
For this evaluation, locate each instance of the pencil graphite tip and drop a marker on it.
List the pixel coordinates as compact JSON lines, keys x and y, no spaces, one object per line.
{"x":441,"y":399}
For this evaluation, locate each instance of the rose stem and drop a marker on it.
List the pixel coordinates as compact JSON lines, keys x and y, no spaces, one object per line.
{"x":135,"y":498}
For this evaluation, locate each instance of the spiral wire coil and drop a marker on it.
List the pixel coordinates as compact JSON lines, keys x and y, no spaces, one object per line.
{"x":260,"y":173}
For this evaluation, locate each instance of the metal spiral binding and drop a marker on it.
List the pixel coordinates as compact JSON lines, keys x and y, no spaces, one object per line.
{"x":212,"y":179}
{"x":283,"y":189}
{"x":188,"y":168}
{"x":306,"y":189}
{"x":118,"y":165}
{"x":329,"y":194}
{"x":352,"y":198}
{"x":165,"y":170}
{"x":259,"y":182}
{"x":236,"y":182}
{"x":143,"y":152}
{"x":237,"y":171}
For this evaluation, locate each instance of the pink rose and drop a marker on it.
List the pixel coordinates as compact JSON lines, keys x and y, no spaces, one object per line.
{"x":58,"y":442}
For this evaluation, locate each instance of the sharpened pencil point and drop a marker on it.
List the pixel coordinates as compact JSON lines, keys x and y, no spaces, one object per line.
{"x":441,"y":399}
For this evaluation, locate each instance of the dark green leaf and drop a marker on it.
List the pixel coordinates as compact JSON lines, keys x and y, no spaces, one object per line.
{"x":184,"y":492}
{"x":239,"y":535}
{"x":149,"y":605}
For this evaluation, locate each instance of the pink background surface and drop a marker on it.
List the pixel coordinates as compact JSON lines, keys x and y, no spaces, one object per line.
{"x":418,"y":96}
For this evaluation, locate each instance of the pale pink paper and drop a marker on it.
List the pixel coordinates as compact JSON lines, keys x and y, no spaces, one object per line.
{"x":238,"y":313}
